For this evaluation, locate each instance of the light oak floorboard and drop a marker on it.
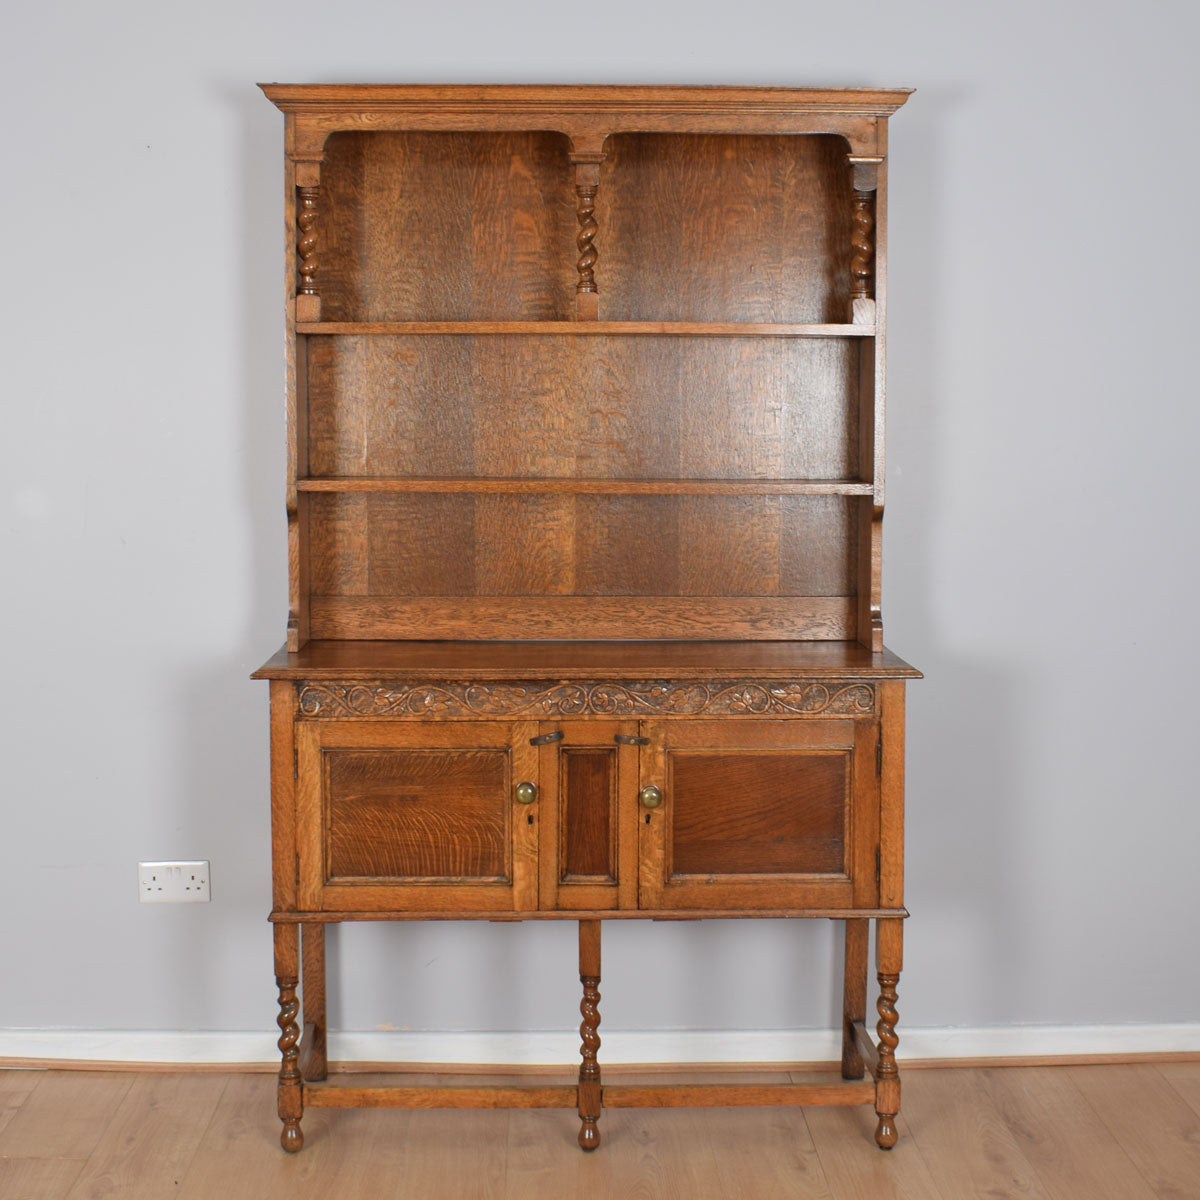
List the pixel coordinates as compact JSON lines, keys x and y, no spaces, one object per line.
{"x":965,"y":1139}
{"x":152,"y":1138}
{"x":373,"y":1154}
{"x":857,"y":1169}
{"x":765,"y":1152}
{"x":455,"y":1163}
{"x":1157,"y":1127}
{"x":649,"y":1153}
{"x":15,"y":1087}
{"x":37,"y":1178}
{"x":654,"y":1159}
{"x":1090,"y":1133}
{"x":1060,"y":1134}
{"x":65,"y":1115}
{"x":239,"y":1154}
{"x":636,"y":1159}
{"x":1185,"y":1079}
{"x":544,"y":1158}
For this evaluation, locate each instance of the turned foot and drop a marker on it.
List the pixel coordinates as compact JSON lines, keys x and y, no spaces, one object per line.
{"x":291,"y":1139}
{"x":885,"y":1131}
{"x":589,"y":1135}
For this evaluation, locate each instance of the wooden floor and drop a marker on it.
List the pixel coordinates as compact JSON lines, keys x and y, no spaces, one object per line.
{"x":1098,"y":1132}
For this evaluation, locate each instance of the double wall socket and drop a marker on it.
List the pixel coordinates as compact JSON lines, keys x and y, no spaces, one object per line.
{"x":175,"y":882}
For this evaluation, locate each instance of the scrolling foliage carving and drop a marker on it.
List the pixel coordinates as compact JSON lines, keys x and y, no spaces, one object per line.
{"x":650,"y":698}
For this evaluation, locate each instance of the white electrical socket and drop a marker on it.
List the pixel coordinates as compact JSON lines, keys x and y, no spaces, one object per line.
{"x":178,"y":882}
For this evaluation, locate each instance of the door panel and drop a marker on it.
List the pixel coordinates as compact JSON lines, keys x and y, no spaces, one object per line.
{"x":588,"y":779}
{"x":774,"y":811}
{"x":420,"y":818}
{"x":589,"y":818}
{"x":417,"y":814}
{"x":760,"y":814}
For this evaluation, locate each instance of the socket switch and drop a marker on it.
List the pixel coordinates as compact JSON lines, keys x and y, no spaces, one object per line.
{"x":175,"y":882}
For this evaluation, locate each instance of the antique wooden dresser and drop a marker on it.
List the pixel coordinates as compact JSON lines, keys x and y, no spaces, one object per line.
{"x":585,"y":394}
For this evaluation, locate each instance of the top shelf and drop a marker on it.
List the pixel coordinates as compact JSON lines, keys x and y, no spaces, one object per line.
{"x":752,"y":105}
{"x":599,"y":660}
{"x":588,"y":328}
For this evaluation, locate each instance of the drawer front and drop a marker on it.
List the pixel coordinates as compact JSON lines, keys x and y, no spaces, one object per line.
{"x":416,"y":818}
{"x":774,"y":815}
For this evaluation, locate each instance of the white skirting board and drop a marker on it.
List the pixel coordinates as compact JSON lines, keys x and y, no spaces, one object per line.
{"x":562,"y":1047}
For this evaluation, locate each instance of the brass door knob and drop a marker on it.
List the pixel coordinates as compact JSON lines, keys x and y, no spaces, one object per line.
{"x":650,"y":796}
{"x":526,"y":793}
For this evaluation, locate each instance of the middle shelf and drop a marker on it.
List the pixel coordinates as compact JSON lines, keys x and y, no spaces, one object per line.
{"x":638,"y":487}
{"x":588,"y":328}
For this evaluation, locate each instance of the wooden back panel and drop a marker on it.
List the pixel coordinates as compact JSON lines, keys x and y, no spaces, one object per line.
{"x":467,"y":545}
{"x":447,"y":227}
{"x":481,"y":226}
{"x":724,"y":228}
{"x":584,"y":407}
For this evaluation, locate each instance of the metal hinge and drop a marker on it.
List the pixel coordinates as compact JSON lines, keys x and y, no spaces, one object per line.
{"x":625,"y":739}
{"x":547,"y":739}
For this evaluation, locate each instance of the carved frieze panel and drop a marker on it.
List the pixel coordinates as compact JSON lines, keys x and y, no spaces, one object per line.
{"x":636,"y":698}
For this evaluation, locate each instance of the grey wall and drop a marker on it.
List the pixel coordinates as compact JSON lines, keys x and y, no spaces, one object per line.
{"x":1040,"y":531}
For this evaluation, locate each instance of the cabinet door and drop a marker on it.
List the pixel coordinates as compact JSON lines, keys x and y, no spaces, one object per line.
{"x":416,"y":817}
{"x":759,"y":814}
{"x":589,"y":772}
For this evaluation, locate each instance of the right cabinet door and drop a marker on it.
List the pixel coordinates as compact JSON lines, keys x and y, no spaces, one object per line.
{"x":763,"y":815}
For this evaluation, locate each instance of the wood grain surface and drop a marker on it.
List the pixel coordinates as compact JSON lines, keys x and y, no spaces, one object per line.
{"x":417,"y":813}
{"x":528,"y":545}
{"x":454,"y":618}
{"x":392,"y":814}
{"x":641,"y":659}
{"x":1033,"y":1132}
{"x":588,"y":814}
{"x":584,"y":487}
{"x":801,"y":329}
{"x":758,"y":830}
{"x":737,"y":813}
{"x":773,"y":212}
{"x":152,"y":1138}
{"x":584,"y":407}
{"x":64,"y":1116}
{"x":443,"y":227}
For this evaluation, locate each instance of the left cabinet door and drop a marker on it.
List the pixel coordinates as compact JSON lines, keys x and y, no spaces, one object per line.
{"x":416,"y":817}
